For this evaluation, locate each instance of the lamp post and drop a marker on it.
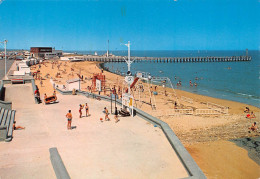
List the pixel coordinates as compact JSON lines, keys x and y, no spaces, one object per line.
{"x":111,"y":100}
{"x":5,"y":42}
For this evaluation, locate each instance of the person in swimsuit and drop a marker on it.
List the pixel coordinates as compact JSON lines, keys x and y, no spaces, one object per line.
{"x":45,"y":96}
{"x":17,"y":127}
{"x":116,"y":115}
{"x":87,"y":110}
{"x":69,"y":117}
{"x":106,"y":114}
{"x":253,"y":127}
{"x":250,"y":116}
{"x":80,"y":112}
{"x":247,"y":110}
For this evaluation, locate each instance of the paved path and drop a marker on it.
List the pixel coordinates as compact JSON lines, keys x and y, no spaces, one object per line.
{"x":131,"y":148}
{"x":2,"y":67}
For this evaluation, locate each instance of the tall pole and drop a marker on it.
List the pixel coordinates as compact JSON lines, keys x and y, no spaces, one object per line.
{"x":5,"y":56}
{"x":79,"y":83}
{"x":107,"y":48}
{"x":128,"y":64}
{"x":111,"y":101}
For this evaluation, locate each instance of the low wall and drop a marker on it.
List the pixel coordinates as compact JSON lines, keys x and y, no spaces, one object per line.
{"x":186,"y":159}
{"x":2,"y":90}
{"x":10,"y":82}
{"x":34,"y":88}
{"x":8,"y":105}
{"x":58,"y":166}
{"x":4,"y":104}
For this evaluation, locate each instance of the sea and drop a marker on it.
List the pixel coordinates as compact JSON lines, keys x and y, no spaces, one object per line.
{"x":235,"y":81}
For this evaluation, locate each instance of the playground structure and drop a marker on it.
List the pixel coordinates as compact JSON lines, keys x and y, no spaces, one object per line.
{"x":150,"y":84}
{"x":154,"y":89}
{"x":37,"y":74}
{"x":102,"y":78}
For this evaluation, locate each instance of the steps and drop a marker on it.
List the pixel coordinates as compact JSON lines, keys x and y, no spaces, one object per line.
{"x":6,"y":124}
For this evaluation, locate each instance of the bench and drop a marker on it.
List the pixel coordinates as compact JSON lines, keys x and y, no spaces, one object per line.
{"x":124,"y":113}
{"x":6,"y":124}
{"x":17,"y":81}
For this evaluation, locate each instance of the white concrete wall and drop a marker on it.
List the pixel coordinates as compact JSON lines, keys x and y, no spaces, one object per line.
{"x":71,"y":86}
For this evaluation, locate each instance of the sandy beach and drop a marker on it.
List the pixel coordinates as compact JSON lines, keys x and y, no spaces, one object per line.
{"x":204,"y":135}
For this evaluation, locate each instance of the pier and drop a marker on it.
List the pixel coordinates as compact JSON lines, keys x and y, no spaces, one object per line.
{"x":170,"y":59}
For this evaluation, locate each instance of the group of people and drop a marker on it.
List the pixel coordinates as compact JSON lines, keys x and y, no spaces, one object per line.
{"x":251,"y":115}
{"x":191,"y":84}
{"x":81,"y":107}
{"x":107,"y":113}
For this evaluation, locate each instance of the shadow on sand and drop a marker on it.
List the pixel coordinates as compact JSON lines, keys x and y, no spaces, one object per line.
{"x":73,"y":127}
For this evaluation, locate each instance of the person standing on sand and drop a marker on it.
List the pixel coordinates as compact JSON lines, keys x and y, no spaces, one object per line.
{"x":80,"y":112}
{"x":69,"y":117}
{"x":87,"y":110}
{"x":106,"y":114}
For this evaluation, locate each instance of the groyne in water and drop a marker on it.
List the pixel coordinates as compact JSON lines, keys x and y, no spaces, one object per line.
{"x":170,"y":59}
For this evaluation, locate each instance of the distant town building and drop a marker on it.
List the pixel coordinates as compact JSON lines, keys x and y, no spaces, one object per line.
{"x":54,"y":53}
{"x":40,"y":51}
{"x":45,"y":52}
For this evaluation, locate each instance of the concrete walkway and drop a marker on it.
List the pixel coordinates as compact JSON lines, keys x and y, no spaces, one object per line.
{"x":131,"y":148}
{"x":2,"y":67}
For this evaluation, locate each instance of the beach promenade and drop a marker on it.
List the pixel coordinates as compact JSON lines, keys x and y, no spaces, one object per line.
{"x":2,"y":67}
{"x":131,"y":148}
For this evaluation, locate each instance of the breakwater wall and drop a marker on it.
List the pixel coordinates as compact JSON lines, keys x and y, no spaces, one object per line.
{"x":170,"y":59}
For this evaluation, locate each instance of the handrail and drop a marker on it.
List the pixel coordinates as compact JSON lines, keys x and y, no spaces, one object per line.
{"x":207,"y":111}
{"x":186,"y":99}
{"x":223,"y":109}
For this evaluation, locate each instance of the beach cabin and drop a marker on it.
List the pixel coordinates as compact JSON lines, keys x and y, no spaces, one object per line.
{"x":67,"y":58}
{"x":24,"y":67}
{"x":78,"y":58}
{"x":73,"y":84}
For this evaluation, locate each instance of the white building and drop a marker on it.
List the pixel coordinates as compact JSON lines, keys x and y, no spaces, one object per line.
{"x":54,"y":53}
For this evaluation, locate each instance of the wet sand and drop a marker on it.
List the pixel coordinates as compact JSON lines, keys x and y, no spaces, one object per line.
{"x":223,"y":159}
{"x":252,"y":145}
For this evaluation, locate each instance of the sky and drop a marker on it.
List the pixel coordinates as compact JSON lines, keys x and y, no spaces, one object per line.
{"x":148,"y":25}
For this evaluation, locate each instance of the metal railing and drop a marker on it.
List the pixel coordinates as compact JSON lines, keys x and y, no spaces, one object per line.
{"x":186,"y":99}
{"x":222,"y":109}
{"x":207,"y":112}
